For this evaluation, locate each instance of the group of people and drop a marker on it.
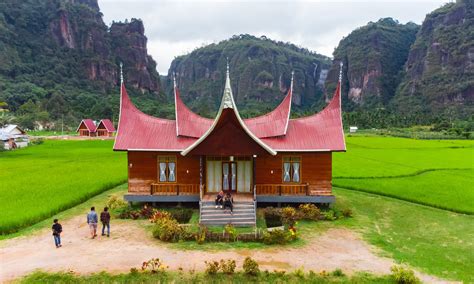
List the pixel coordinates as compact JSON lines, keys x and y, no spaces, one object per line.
{"x":225,"y":200}
{"x":92,"y":221}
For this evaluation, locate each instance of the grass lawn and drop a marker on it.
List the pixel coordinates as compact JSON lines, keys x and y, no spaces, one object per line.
{"x":185,"y":277}
{"x":437,"y":242}
{"x":439,"y":173}
{"x":42,"y":180}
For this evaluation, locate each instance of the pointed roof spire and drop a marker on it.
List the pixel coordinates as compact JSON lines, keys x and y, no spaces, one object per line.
{"x":228,"y":98}
{"x":174,"y":80}
{"x":121,"y":73}
{"x":340,"y":71}
{"x":292,"y":77}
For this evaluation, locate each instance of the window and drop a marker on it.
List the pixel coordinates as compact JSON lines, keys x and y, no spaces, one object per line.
{"x":167,"y":168}
{"x":291,"y":169}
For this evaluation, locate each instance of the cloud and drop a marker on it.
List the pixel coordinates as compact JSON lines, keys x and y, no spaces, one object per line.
{"x":175,"y":28}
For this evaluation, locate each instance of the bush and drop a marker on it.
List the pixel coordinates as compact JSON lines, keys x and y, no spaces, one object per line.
{"x":250,"y":266}
{"x":228,"y":266}
{"x":147,"y":211}
{"x":338,"y":273}
{"x":153,"y":265}
{"x":347,"y":213}
{"x":231,"y":232}
{"x":158,"y":215}
{"x":310,"y":211}
{"x":129,"y":213}
{"x":114,"y":202}
{"x":276,"y":237}
{"x":212,"y":267}
{"x":201,"y":234}
{"x":329,"y":215}
{"x":37,"y":141}
{"x":272,"y":217}
{"x":403,"y":275}
{"x":289,"y":216}
{"x":182,"y":215}
{"x":169,"y":230}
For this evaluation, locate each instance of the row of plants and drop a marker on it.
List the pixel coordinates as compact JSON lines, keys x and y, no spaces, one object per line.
{"x":288,"y":216}
{"x":251,"y":268}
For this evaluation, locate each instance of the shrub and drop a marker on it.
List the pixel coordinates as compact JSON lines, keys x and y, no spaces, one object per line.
{"x":347,"y":213}
{"x":272,"y":217}
{"x":276,"y":237}
{"x":310,"y":211}
{"x":212,"y":267}
{"x":279,"y":273}
{"x":228,"y":266}
{"x":168,"y":230}
{"x":153,"y":265}
{"x":182,"y":215}
{"x":201,"y":234}
{"x":37,"y":141}
{"x":129,"y":213}
{"x":338,"y":273}
{"x":158,"y":215}
{"x":250,"y":266}
{"x":403,"y":275}
{"x":329,"y":215}
{"x":299,"y":273}
{"x":114,"y":202}
{"x":231,"y":232}
{"x":289,"y":216}
{"x":147,"y":211}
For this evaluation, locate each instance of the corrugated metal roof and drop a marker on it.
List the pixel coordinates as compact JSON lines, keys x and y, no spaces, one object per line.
{"x":107,"y":124}
{"x":89,"y":123}
{"x":320,"y":132}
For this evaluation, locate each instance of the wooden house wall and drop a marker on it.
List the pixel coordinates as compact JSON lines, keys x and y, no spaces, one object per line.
{"x":143,"y":170}
{"x":316,"y":169}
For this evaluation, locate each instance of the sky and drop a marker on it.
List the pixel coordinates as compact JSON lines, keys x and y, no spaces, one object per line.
{"x":175,"y":28}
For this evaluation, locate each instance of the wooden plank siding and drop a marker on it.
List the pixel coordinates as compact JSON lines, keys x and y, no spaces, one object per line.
{"x":315,"y":174}
{"x":143,"y":171}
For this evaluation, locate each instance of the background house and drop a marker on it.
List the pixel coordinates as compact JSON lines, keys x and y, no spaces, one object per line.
{"x":12,"y":136}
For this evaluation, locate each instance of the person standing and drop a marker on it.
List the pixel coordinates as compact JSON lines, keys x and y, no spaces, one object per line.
{"x":105,"y":219}
{"x":92,"y":221}
{"x":57,"y":230}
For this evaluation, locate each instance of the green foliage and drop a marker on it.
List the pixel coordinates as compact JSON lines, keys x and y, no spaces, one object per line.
{"x":309,"y":211}
{"x":277,"y":236}
{"x":289,"y":216}
{"x":230,"y":231}
{"x":37,"y":181}
{"x":227,"y":266}
{"x":114,"y":202}
{"x":169,"y":230}
{"x":182,"y":215}
{"x":212,"y":267}
{"x":272,"y":217}
{"x":153,"y":265}
{"x":403,"y":275}
{"x":250,"y":266}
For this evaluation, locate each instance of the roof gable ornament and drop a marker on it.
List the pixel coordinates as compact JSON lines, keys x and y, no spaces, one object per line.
{"x":121,"y":73}
{"x":228,"y":98}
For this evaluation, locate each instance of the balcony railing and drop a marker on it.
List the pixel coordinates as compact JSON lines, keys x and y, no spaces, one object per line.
{"x":174,"y":189}
{"x":289,"y":189}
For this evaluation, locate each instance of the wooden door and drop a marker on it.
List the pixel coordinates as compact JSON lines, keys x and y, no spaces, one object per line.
{"x":229,"y":176}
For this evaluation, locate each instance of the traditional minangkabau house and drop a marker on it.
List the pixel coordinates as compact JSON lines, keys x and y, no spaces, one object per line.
{"x":86,"y":128}
{"x":270,"y":158}
{"x":105,"y":128}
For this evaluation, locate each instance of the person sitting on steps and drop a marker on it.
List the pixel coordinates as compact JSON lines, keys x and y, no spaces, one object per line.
{"x":220,"y":199}
{"x":229,"y":203}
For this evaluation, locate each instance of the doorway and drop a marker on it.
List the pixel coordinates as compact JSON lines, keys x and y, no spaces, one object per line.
{"x":229,"y":176}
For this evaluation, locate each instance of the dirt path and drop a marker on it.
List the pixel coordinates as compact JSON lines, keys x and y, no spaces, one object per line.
{"x":130,"y":245}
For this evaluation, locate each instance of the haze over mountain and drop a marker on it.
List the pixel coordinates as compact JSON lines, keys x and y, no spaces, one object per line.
{"x":59,"y":60}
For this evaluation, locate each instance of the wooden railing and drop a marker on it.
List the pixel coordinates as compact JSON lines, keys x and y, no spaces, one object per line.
{"x":174,"y":189}
{"x":282,"y":189}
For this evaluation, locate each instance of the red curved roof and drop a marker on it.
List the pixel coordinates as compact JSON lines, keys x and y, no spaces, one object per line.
{"x":89,"y":123}
{"x":189,"y":123}
{"x":141,"y":132}
{"x":322,"y":131}
{"x":274,"y":123}
{"x":109,"y":126}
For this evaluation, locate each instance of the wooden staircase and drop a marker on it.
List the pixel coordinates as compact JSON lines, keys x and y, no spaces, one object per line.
{"x":244,"y":214}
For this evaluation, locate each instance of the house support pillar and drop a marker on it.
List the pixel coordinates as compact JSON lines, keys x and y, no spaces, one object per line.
{"x":201,"y":177}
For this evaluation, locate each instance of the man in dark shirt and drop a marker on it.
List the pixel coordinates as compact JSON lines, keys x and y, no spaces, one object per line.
{"x":57,"y":230}
{"x":105,"y":219}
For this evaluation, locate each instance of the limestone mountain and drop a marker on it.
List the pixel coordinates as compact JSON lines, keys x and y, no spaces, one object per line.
{"x":439,"y":72}
{"x":60,"y":55}
{"x":373,"y":56}
{"x":260,"y":72}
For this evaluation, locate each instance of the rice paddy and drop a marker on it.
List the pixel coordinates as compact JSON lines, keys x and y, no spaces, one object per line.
{"x":39,"y":181}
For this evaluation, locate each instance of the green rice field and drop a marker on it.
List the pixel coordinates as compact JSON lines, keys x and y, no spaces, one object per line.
{"x":39,"y":181}
{"x":438,"y":173}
